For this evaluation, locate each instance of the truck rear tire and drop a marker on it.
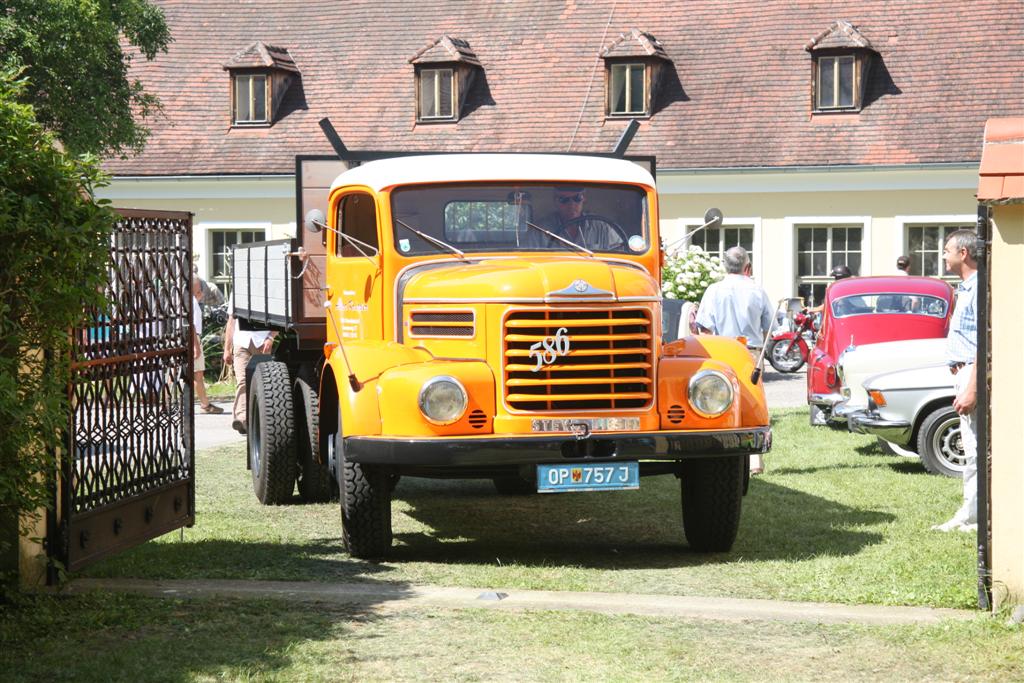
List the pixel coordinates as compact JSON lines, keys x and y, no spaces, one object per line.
{"x":365,"y":493}
{"x":712,"y":492}
{"x":314,"y":477}
{"x":271,"y":434}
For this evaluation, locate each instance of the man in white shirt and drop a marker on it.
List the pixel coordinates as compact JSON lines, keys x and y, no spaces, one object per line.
{"x":239,"y":348}
{"x":737,"y":307}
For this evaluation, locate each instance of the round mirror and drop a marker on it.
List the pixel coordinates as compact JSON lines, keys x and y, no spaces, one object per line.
{"x":314,"y":221}
{"x":712,"y":217}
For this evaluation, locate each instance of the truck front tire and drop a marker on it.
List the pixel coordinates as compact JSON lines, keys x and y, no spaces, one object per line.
{"x":712,"y":492}
{"x":271,"y":434}
{"x":365,"y":492}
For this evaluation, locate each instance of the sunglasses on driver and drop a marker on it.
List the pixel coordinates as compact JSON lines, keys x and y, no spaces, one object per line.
{"x":574,"y":198}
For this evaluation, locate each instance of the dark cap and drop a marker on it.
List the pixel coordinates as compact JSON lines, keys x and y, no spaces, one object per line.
{"x":903,"y":262}
{"x":841,"y":271}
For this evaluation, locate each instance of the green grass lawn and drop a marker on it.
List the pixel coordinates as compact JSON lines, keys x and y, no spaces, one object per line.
{"x":832,"y":520}
{"x":129,"y":638}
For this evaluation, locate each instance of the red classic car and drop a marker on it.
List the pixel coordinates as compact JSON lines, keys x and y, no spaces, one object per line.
{"x":867,"y":310}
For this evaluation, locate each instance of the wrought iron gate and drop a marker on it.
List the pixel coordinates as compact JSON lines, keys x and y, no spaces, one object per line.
{"x":127,"y":471}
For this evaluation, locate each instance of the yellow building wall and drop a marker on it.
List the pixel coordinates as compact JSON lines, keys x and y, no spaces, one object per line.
{"x":1007,"y":483}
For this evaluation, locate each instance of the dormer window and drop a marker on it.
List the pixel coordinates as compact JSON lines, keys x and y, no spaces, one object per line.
{"x":634,"y":63}
{"x":836,"y":82}
{"x":445,"y":70}
{"x":627,"y":89}
{"x":250,"y":99}
{"x":260,"y":77}
{"x":437,"y":94}
{"x":841,"y":58}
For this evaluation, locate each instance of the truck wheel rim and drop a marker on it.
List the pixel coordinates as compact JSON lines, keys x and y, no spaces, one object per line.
{"x":947,"y":444}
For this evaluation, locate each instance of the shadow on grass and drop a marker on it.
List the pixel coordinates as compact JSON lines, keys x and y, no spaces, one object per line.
{"x":119,"y":637}
{"x":315,"y":560}
{"x":633,"y":529}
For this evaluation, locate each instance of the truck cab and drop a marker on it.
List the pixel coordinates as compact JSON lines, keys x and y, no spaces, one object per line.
{"x":497,"y":316}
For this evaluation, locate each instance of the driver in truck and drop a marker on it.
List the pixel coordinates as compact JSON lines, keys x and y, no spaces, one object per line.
{"x":569,"y":221}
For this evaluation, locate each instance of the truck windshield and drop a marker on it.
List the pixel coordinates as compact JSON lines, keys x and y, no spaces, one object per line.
{"x":477,"y":217}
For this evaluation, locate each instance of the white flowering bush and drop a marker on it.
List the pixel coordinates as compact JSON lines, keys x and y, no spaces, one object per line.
{"x":688,"y":273}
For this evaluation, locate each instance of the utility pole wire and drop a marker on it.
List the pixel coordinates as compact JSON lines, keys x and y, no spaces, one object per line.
{"x":597,"y":60}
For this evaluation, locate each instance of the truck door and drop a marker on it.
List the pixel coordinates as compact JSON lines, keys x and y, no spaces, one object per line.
{"x":354,"y":269}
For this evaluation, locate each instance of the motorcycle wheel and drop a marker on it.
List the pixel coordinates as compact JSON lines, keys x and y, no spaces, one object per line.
{"x":785,"y":357}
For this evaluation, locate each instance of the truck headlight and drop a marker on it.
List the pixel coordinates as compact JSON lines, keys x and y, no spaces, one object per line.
{"x":710,"y":393}
{"x":443,"y":400}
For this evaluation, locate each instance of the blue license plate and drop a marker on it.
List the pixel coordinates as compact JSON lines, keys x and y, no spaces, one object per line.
{"x":612,"y":476}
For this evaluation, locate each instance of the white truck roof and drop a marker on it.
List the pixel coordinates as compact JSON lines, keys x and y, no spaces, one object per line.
{"x":449,"y":168}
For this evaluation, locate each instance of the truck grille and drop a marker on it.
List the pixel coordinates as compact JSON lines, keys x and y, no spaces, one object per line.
{"x":442,"y":324}
{"x":609,"y":364}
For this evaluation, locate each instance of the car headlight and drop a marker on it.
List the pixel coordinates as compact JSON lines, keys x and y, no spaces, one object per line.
{"x":443,"y":400}
{"x":710,"y":393}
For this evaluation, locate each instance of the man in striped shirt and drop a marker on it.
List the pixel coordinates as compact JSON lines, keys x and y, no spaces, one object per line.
{"x":961,"y":255}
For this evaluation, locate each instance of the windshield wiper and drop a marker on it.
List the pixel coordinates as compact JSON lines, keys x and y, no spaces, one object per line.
{"x":432,"y":240}
{"x":560,"y":238}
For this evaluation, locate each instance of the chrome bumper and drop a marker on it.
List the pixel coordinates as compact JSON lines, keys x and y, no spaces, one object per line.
{"x":867,"y":422}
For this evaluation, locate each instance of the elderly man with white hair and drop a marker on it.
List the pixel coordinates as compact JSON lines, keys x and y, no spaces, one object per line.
{"x":736,"y":306}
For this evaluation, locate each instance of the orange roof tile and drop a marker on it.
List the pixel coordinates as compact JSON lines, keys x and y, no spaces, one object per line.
{"x":1001,"y":176}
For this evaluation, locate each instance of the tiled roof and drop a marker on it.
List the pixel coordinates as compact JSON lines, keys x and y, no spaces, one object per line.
{"x":446,"y":49}
{"x":1001,"y":177}
{"x":259,"y":55}
{"x":841,"y":34}
{"x":737,"y":93}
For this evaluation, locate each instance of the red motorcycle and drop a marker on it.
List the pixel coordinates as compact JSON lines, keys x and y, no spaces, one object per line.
{"x":788,"y":351}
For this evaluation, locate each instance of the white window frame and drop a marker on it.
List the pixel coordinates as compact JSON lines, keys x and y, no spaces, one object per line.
{"x":673,"y":230}
{"x":904,"y":223}
{"x":434,"y":74}
{"x":628,"y":66}
{"x":206,"y":261}
{"x":794,"y":222}
{"x":250,"y":78}
{"x":854,"y":104}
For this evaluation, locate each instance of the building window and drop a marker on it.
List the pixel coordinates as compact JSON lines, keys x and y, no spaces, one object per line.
{"x":221,"y":242}
{"x":250,"y":99}
{"x":627,"y":90}
{"x":437,"y":94}
{"x":836,"y":82}
{"x":716,"y":241}
{"x":819,"y":249}
{"x":924,"y":246}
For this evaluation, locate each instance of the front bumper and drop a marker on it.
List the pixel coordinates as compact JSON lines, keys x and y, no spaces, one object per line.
{"x":894,"y":431}
{"x":546,"y":448}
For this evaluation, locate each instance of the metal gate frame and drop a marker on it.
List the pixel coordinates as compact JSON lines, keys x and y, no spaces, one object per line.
{"x":127,"y":471}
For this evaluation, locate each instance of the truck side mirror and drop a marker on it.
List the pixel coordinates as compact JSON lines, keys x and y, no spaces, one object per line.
{"x":315,"y":220}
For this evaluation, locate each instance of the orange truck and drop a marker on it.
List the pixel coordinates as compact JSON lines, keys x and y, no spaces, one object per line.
{"x":488,"y":316}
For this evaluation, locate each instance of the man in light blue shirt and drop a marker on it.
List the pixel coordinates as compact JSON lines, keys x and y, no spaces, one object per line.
{"x":961,"y":255}
{"x":736,"y":306}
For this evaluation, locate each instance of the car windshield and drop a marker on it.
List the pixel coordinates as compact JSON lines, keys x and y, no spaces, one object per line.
{"x":476,"y":217}
{"x":903,"y":303}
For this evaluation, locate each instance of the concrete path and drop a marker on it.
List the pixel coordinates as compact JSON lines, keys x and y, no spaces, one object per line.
{"x":215,"y":430}
{"x":785,"y":390}
{"x":395,"y":597}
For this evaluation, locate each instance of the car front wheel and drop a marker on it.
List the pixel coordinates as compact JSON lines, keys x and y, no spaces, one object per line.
{"x":939,"y":443}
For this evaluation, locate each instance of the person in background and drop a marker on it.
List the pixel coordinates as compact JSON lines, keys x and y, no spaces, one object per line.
{"x":903,"y":265}
{"x":199,"y":360}
{"x":239,"y":348}
{"x":736,"y":306}
{"x":961,"y":256}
